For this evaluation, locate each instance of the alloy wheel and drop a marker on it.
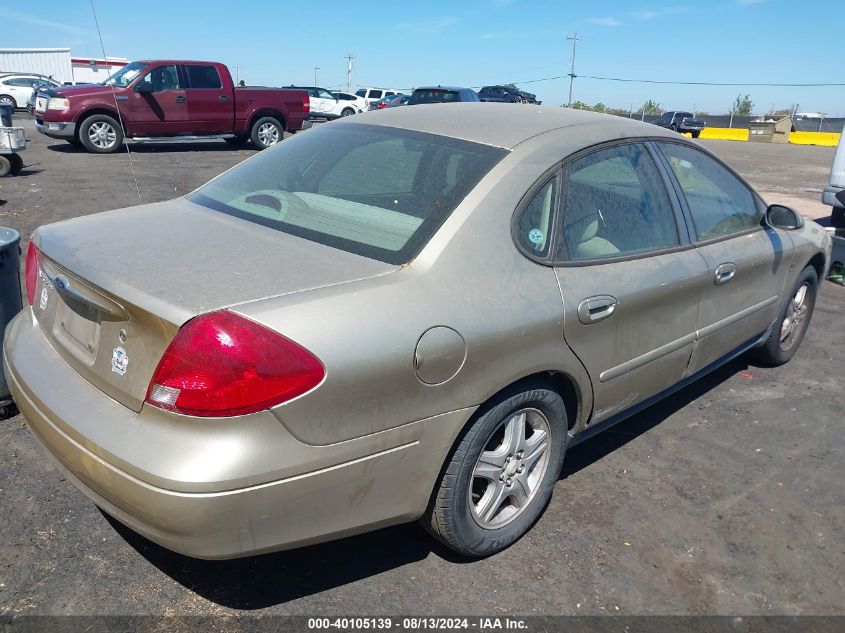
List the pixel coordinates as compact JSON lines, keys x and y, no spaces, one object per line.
{"x":268,"y":134}
{"x":796,"y":317}
{"x":510,"y":469}
{"x":102,"y":135}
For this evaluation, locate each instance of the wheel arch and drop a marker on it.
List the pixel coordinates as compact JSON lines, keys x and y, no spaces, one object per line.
{"x":276,"y":114}
{"x":817,"y":261}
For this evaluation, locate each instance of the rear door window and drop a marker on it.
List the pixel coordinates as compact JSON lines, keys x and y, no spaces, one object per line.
{"x":719,"y":202}
{"x":203,"y":77}
{"x":615,"y":204}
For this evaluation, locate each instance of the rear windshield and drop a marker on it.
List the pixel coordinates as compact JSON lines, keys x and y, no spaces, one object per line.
{"x":375,"y":191}
{"x":435,"y":95}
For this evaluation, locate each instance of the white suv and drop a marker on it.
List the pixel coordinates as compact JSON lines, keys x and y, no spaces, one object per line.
{"x":371,"y":95}
{"x":836,"y":184}
{"x":354,"y":103}
{"x":16,"y":88}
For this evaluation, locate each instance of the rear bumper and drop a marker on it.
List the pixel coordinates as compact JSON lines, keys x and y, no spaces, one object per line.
{"x":209,"y":501}
{"x":56,"y":129}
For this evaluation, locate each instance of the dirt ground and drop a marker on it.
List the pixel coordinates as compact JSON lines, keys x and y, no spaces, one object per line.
{"x":726,"y":499}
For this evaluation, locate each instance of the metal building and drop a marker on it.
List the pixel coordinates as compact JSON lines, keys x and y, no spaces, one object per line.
{"x":42,"y":61}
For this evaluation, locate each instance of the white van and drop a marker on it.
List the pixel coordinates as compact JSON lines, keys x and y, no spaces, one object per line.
{"x":836,"y":184}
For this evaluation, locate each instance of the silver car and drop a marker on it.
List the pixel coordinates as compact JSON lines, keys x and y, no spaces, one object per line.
{"x":404,"y":315}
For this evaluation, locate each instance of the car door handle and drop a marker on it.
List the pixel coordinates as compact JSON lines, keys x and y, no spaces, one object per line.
{"x":594,"y":309}
{"x":181,"y":99}
{"x":724,"y":273}
{"x":223,"y":98}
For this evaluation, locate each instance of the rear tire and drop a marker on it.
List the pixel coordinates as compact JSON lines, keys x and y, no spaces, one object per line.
{"x":101,"y":134}
{"x":8,"y":100}
{"x":347,"y":112}
{"x":5,"y":166}
{"x":789,"y":328}
{"x":266,"y":131}
{"x":497,"y":481}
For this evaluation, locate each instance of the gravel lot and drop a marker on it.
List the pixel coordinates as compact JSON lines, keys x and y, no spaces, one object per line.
{"x":726,"y":499}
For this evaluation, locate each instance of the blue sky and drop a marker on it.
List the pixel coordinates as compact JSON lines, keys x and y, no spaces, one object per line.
{"x":474,"y":42}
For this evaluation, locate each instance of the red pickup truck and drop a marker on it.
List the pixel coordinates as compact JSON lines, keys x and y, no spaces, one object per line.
{"x":169,"y":99}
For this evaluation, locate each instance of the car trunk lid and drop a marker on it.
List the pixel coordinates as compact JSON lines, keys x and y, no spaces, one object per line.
{"x":114,"y":288}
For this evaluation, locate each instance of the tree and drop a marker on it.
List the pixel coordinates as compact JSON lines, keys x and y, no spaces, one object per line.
{"x":650,"y":108}
{"x":580,"y":105}
{"x":743,"y":106}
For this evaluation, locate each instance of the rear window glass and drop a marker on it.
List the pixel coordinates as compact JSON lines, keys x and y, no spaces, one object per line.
{"x":361,"y":93}
{"x":203,"y":77}
{"x":374,"y":191}
{"x":434,"y":96}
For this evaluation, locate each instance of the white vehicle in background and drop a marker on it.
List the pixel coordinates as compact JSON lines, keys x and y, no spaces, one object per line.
{"x":325,"y":105}
{"x":353,"y":102}
{"x":836,"y":185}
{"x":371,"y":95}
{"x":16,"y":88}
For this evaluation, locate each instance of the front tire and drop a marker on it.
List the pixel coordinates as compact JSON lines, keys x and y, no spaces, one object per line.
{"x":347,"y":112}
{"x":501,"y":474}
{"x":101,"y":134}
{"x":266,"y":131}
{"x":792,"y":322}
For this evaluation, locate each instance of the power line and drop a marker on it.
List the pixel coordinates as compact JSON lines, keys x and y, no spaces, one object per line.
{"x":715,"y":83}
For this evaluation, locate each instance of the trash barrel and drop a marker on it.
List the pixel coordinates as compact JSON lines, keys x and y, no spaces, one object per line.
{"x":11,"y":301}
{"x":5,"y":116}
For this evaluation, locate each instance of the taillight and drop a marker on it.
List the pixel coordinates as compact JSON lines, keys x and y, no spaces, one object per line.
{"x":222,"y":364}
{"x":306,"y":104}
{"x":31,"y":276}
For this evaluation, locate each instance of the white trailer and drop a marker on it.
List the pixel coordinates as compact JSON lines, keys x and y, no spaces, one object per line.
{"x":50,"y":62}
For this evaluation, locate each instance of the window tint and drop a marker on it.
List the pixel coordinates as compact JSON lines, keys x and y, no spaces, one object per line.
{"x":162,"y":78}
{"x":434,"y":95}
{"x":375,"y":94}
{"x":325,"y":94}
{"x":533,"y":228}
{"x":203,"y":77}
{"x":361,"y":93}
{"x":718,"y":201}
{"x":375,"y":191}
{"x":615,"y":204}
{"x":22,"y":82}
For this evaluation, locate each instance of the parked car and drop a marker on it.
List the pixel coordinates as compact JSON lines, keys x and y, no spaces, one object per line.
{"x":326,"y":105}
{"x":546,"y":275}
{"x":398,"y":101}
{"x":682,"y":122}
{"x":835,"y":185}
{"x":370,"y":95}
{"x":506,"y":94}
{"x":16,"y":88}
{"x":169,"y":99}
{"x":441,"y":94}
{"x":358,"y":104}
{"x":386,"y":101}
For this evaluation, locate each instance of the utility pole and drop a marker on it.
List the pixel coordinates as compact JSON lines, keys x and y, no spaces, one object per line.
{"x":350,"y":60}
{"x":575,"y":39}
{"x":316,"y":68}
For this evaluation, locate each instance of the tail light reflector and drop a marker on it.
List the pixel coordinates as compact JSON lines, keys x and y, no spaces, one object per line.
{"x":306,"y":104}
{"x":31,"y":275}
{"x":221,"y":364}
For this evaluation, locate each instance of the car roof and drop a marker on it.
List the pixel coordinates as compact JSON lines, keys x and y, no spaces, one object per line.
{"x":455,"y":88}
{"x":496,"y":123}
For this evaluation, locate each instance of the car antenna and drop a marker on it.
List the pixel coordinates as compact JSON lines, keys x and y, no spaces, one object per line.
{"x":117,"y":109}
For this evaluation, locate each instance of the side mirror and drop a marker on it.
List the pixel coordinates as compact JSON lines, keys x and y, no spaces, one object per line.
{"x":781,"y":217}
{"x":144,"y":88}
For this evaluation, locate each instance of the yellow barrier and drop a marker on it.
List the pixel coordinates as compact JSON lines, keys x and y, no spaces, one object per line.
{"x":828,"y":139}
{"x":725,"y":133}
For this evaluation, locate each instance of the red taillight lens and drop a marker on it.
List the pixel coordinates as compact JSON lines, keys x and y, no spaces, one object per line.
{"x":31,"y":277}
{"x":306,"y":104}
{"x":221,"y":364}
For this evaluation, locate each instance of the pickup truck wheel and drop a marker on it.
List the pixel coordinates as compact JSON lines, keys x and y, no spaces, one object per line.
{"x":5,"y":166}
{"x":347,"y":112}
{"x":266,"y":131}
{"x":101,"y":134}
